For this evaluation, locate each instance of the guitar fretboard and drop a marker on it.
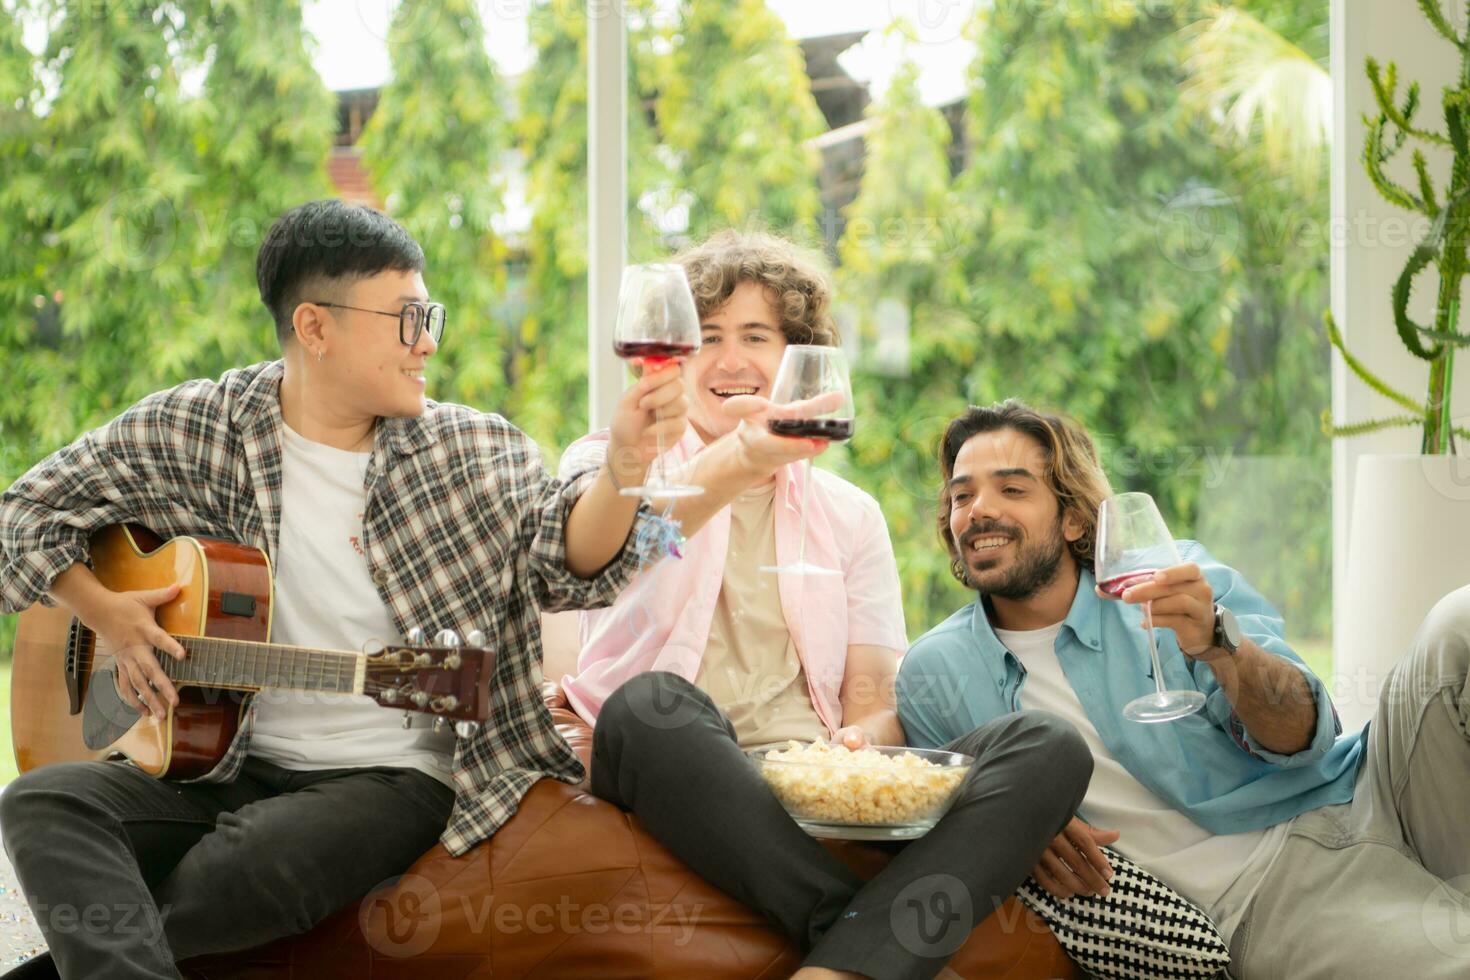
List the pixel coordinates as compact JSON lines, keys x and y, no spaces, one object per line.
{"x":217,"y":662}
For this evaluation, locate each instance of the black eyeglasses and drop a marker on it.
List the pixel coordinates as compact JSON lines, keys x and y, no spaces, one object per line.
{"x":411,"y":319}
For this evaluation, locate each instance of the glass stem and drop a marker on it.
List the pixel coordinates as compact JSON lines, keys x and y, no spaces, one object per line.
{"x":1153,"y":646}
{"x":655,"y":476}
{"x":806,"y":485}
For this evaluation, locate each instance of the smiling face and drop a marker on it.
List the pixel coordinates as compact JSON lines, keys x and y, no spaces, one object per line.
{"x":1005,"y":520}
{"x":740,"y":351}
{"x":369,"y":370}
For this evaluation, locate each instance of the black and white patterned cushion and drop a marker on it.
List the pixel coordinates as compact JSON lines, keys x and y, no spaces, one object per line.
{"x":1143,"y":929}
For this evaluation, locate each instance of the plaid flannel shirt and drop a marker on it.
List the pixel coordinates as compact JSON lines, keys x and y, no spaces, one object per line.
{"x":464,"y":529}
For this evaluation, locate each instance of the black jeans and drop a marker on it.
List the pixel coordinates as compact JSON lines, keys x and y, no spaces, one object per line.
{"x":127,"y":874}
{"x":663,"y":750}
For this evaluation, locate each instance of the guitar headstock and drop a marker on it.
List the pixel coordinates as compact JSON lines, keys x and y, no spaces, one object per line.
{"x":450,"y":682}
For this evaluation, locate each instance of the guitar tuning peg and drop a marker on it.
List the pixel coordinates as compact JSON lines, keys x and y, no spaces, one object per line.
{"x":466,"y":729}
{"x":417,"y":636}
{"x":447,"y":638}
{"x":475,"y":638}
{"x":408,"y":719}
{"x":440,"y":724}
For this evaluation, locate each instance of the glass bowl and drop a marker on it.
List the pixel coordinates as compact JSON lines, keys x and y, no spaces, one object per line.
{"x":881,"y":792}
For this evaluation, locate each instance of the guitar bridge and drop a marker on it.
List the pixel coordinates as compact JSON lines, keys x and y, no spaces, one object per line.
{"x":71,"y":664}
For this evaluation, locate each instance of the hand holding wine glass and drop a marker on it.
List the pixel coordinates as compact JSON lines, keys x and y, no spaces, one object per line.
{"x":657,"y":324}
{"x":1133,"y":544}
{"x":763,"y":453}
{"x":653,"y":413}
{"x":811,"y":399}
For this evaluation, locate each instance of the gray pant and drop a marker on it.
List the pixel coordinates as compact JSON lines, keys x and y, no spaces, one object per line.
{"x":1377,"y":887}
{"x":126,"y":873}
{"x":662,"y":749}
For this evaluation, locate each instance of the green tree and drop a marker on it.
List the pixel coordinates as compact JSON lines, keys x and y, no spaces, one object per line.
{"x":548,"y":369}
{"x":1273,"y":98}
{"x":264,"y":131}
{"x":20,"y":278}
{"x":736,"y":106}
{"x":112,"y":203}
{"x":1257,"y":73}
{"x":1117,"y":264}
{"x":435,"y":150}
{"x":897,"y":282}
{"x":20,"y":248}
{"x":101,"y":229}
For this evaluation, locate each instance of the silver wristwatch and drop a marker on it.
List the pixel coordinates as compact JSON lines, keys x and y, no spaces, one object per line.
{"x":1228,"y":636}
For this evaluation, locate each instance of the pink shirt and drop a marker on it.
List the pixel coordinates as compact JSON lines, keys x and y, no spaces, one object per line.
{"x":661,"y":621}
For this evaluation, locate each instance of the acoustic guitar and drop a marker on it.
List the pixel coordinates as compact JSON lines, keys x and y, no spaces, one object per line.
{"x":64,"y":705}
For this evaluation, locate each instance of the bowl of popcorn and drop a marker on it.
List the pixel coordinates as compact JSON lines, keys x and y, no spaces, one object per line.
{"x":880,"y":792}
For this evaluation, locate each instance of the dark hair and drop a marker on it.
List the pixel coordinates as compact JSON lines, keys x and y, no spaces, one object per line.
{"x":1073,"y":470}
{"x":327,"y":240}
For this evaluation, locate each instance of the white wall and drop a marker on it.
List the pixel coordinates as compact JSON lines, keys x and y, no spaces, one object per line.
{"x":1372,"y":239}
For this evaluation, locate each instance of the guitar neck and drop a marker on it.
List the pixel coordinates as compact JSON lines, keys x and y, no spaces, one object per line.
{"x":243,"y":665}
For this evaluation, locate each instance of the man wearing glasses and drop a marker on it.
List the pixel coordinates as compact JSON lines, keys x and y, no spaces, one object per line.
{"x":381,"y":512}
{"x":411,"y":319}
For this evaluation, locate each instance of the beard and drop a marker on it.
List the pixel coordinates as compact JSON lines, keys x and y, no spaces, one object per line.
{"x":1034,"y":568}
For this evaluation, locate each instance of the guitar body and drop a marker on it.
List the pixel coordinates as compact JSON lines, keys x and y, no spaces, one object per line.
{"x":63,"y":703}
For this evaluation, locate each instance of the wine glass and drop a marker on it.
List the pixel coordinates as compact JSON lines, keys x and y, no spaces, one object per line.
{"x":812,"y":399}
{"x":657,"y":323}
{"x":1133,"y":543}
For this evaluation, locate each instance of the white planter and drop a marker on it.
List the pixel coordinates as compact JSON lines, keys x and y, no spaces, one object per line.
{"x":1408,"y":546}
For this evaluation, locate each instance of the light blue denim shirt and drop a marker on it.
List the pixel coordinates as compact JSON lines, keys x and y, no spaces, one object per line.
{"x":959,"y":676}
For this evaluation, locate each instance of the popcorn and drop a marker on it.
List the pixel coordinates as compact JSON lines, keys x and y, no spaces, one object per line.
{"x":834,"y":784}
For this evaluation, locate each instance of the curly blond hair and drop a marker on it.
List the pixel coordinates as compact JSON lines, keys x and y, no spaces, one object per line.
{"x":792,"y":278}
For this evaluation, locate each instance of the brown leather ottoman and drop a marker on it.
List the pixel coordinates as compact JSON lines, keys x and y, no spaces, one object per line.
{"x":572,"y":887}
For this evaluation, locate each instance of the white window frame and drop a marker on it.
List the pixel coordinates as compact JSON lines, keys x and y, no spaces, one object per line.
{"x":607,"y":197}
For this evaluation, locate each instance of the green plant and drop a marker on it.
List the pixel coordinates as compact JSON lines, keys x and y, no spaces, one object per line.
{"x":735,"y":107}
{"x":433,"y":147}
{"x":1443,"y":247}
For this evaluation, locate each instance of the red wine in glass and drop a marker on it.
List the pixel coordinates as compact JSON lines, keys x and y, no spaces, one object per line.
{"x":652,"y":350}
{"x":1118,"y":584}
{"x":833,"y":430}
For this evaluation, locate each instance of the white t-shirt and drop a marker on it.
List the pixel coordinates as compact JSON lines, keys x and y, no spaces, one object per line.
{"x":1218,"y":872}
{"x":324,"y":598}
